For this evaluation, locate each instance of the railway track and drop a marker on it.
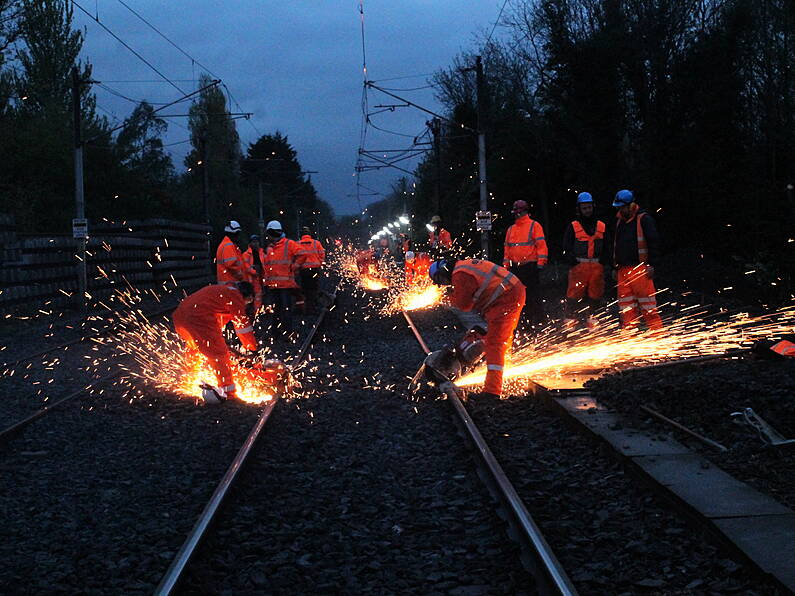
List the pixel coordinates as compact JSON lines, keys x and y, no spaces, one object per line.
{"x":612,"y":533}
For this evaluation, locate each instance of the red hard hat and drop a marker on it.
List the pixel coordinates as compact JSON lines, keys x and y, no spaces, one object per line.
{"x":520,"y":205}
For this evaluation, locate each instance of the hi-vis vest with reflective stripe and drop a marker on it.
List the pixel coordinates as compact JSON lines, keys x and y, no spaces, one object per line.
{"x":279,"y":267}
{"x":311,"y":251}
{"x":784,"y":348}
{"x":588,"y":247}
{"x":493,"y":281}
{"x":229,"y":264}
{"x":523,"y":248}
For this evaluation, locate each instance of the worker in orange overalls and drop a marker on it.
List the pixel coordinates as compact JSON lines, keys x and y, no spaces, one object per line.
{"x":439,"y":239}
{"x":365,"y":261}
{"x":281,"y":267}
{"x":584,"y":249}
{"x":417,"y":267}
{"x":525,"y":255}
{"x":254,"y":257}
{"x":229,"y":264}
{"x":636,"y":248}
{"x":497,"y":295}
{"x":199,"y":321}
{"x":311,"y":257}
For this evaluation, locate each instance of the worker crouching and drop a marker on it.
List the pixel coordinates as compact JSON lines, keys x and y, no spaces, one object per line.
{"x":497,"y":295}
{"x":199,"y":321}
{"x":583,"y":247}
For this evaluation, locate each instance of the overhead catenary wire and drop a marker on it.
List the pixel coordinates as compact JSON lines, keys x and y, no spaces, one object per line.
{"x":499,"y":16}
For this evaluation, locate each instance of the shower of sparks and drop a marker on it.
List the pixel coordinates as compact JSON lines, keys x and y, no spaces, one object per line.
{"x":416,"y":297}
{"x":371,"y":283}
{"x":696,"y":332}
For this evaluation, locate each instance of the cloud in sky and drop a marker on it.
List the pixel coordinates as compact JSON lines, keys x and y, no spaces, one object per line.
{"x":296,"y":65}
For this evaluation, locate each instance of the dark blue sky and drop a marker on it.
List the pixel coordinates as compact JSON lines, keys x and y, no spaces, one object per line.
{"x":296,"y":64}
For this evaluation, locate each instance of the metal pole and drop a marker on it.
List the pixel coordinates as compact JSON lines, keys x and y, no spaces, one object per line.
{"x":437,"y":191}
{"x":484,"y":206}
{"x":80,"y":203}
{"x":261,"y":215}
{"x":205,"y":177}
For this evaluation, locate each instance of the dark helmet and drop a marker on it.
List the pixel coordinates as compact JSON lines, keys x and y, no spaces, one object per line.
{"x":245,"y":288}
{"x":519,"y":206}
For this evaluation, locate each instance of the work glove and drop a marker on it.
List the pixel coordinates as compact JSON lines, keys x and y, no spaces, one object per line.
{"x":649,"y":271}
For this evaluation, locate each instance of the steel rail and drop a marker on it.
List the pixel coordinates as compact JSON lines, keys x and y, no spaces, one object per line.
{"x":684,"y":429}
{"x":546,"y":568}
{"x":413,"y":328}
{"x":179,"y":564}
{"x":15,"y":428}
{"x":78,"y":340}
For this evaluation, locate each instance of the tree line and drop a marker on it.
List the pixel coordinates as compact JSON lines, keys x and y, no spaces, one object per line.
{"x":129,"y":173}
{"x":689,"y":103}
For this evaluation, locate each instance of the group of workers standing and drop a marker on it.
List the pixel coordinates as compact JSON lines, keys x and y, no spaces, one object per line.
{"x":273,"y":275}
{"x":502,"y":293}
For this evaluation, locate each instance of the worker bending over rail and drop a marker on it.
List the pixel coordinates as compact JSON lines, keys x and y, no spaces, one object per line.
{"x":497,"y":295}
{"x":199,"y":321}
{"x":417,"y":267}
{"x":636,"y":248}
{"x":583,"y":248}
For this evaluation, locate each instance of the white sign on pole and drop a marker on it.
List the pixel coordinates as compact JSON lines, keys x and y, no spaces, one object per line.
{"x":483,"y":221}
{"x":79,"y":228}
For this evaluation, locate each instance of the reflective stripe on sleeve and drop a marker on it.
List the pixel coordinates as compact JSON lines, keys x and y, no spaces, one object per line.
{"x":494,"y":367}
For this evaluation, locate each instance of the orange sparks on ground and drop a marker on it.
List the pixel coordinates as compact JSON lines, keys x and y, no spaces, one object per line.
{"x":690,"y":335}
{"x":372,"y":283}
{"x":416,"y":297}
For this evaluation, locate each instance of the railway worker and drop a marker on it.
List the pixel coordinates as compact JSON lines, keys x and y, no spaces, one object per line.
{"x":312,"y":255}
{"x":405,"y":243}
{"x":584,"y":249}
{"x":229,"y":264}
{"x":438,"y":237}
{"x":497,"y":295}
{"x":417,"y":267}
{"x":281,"y":267}
{"x":254,"y":257}
{"x":525,"y":255}
{"x":365,"y":261}
{"x":636,"y":249}
{"x":199,"y":321}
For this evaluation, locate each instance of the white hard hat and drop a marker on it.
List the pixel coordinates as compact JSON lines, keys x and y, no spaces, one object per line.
{"x":232,"y":227}
{"x":274,"y":225}
{"x":409,"y":255}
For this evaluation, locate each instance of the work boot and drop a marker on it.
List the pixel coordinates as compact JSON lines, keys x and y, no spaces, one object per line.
{"x":592,"y":323}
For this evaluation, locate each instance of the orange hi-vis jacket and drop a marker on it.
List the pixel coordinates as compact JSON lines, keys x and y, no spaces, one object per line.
{"x":525,"y":243}
{"x":229,"y":265}
{"x":255,"y":277}
{"x":441,"y":238}
{"x":365,"y":262}
{"x":207,"y":311}
{"x":490,"y":282}
{"x":281,"y":262}
{"x":587,"y":247}
{"x":417,"y":270}
{"x":312,"y":253}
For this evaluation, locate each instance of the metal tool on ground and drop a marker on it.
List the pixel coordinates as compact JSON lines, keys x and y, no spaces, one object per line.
{"x":767,"y":433}
{"x":448,"y":363}
{"x":684,"y":429}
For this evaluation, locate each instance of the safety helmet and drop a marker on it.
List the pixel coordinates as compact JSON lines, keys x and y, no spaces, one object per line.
{"x":409,"y":255}
{"x":520,"y":205}
{"x":436,"y":219}
{"x":623,"y":197}
{"x":306,"y":231}
{"x":274,"y":225}
{"x":584,"y":197}
{"x":439,"y":273}
{"x":232,"y":227}
{"x":253,"y":238}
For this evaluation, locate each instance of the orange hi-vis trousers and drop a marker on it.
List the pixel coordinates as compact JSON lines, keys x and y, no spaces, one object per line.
{"x":502,"y":317}
{"x":209,"y":342}
{"x":586,"y":279}
{"x":636,"y":298}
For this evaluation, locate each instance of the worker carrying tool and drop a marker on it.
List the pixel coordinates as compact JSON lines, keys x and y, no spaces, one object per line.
{"x":311,"y":257}
{"x":229,"y":264}
{"x":584,"y":249}
{"x":199,"y":321}
{"x":281,"y":267}
{"x":417,"y":267}
{"x":438,"y":237}
{"x":497,"y":295}
{"x":254,"y":257}
{"x":525,"y":255}
{"x":636,"y":249}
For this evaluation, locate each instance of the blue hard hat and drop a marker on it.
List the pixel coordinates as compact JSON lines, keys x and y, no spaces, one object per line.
{"x":437,"y":268}
{"x":584,"y":197}
{"x":623,"y":197}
